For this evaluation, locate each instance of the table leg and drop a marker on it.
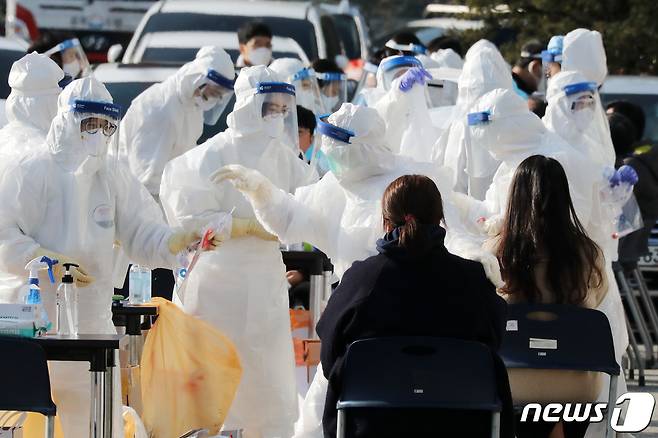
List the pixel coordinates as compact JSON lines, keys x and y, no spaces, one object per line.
{"x":96,"y":408}
{"x":108,"y":409}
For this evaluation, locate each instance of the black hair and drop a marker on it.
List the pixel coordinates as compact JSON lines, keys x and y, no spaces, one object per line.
{"x":537,"y":104}
{"x":634,"y":112}
{"x":306,"y":119}
{"x":325,"y":66}
{"x":253,"y":29}
{"x":540,"y":225}
{"x":623,"y":134}
{"x":445,"y":42}
{"x":412,"y":203}
{"x":403,"y":38}
{"x":530,"y":48}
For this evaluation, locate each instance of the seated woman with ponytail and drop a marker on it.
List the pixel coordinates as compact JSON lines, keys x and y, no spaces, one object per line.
{"x":413,"y":287}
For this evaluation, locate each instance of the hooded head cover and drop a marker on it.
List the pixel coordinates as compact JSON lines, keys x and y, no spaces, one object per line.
{"x":307,"y":92}
{"x":195,"y":73}
{"x":583,"y":51}
{"x":553,"y":52}
{"x":501,"y":123}
{"x":65,"y":139}
{"x":287,"y":68}
{"x":353,"y":139}
{"x":484,"y":70}
{"x":34,"y":81}
{"x":448,"y":58}
{"x":575,"y":113}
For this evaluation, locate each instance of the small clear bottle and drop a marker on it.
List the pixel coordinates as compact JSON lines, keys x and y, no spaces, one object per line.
{"x":67,"y":304}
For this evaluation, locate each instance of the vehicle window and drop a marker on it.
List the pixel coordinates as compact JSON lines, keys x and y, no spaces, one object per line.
{"x":331,"y":38}
{"x":349,"y":35}
{"x":301,"y":31}
{"x":7,"y":58}
{"x":648,"y":102}
{"x":123,"y":93}
{"x":181,"y":55}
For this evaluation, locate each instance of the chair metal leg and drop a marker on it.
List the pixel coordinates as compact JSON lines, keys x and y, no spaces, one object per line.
{"x":646,"y":300}
{"x":612,"y":397}
{"x":495,"y":425}
{"x":340,"y":422}
{"x":315,"y":303}
{"x":634,"y":308}
{"x":50,"y":427}
{"x":639,"y":364}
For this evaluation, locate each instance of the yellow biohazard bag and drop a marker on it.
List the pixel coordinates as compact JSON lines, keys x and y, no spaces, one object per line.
{"x":190,"y":374}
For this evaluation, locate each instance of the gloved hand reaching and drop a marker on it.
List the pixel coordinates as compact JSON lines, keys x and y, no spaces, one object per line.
{"x":253,"y":184}
{"x":415,"y":75}
{"x":181,"y":240}
{"x":250,"y":227}
{"x":80,"y":275}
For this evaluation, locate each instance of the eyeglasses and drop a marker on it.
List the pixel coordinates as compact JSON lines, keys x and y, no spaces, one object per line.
{"x":92,"y":125}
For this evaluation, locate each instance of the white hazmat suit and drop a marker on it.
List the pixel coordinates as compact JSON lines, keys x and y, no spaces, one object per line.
{"x":307,"y":92}
{"x":484,"y":70}
{"x":583,"y":51}
{"x":340,"y":214}
{"x":241,"y":288}
{"x":69,"y":201}
{"x":31,"y":105}
{"x":167,"y":119}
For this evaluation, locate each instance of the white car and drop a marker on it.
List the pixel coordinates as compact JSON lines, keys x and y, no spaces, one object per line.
{"x":309,"y":25}
{"x":127,"y":81}
{"x":10,"y":51}
{"x":180,"y":47}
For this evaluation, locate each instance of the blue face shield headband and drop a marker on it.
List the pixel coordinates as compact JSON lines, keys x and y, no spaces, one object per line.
{"x":305,"y":73}
{"x":580,"y":87}
{"x":548,"y":56}
{"x":400,"y":61}
{"x":332,"y":131}
{"x":220,"y":80}
{"x":109,"y":110}
{"x":481,"y":118}
{"x":275,"y":87}
{"x":330,"y":76}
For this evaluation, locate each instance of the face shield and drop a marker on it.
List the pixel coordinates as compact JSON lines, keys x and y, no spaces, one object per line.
{"x":551,"y":62}
{"x":71,"y":57}
{"x":212,"y":95}
{"x":341,"y":158}
{"x":404,"y":49}
{"x":98,"y":123}
{"x":395,"y":67}
{"x":582,"y":103}
{"x":307,"y":91}
{"x":333,"y":90}
{"x":279,"y":112}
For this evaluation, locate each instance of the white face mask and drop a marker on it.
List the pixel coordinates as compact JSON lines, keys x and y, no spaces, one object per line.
{"x":72,"y":68}
{"x":330,"y":102}
{"x":95,"y":144}
{"x":583,"y":118}
{"x":260,"y":56}
{"x":273,"y":125}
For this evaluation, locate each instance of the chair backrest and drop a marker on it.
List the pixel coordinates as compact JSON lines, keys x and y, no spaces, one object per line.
{"x":553,"y":336}
{"x":24,"y":379}
{"x":419,"y":372}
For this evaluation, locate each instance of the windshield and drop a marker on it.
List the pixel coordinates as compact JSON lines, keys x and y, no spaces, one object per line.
{"x":123,"y":93}
{"x":649,"y":103}
{"x":349,"y":35}
{"x":301,"y":31}
{"x":7,"y":58}
{"x":181,"y":55}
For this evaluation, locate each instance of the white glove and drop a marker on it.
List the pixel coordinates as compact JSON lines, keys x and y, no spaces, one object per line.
{"x":253,"y":184}
{"x":490,"y":265}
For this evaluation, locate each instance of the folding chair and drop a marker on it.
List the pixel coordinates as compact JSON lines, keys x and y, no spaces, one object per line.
{"x":25,"y":380}
{"x":402,"y":373}
{"x":561,"y":337}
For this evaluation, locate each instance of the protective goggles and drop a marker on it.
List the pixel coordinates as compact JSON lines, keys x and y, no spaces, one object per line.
{"x":332,"y":131}
{"x":97,"y":116}
{"x":479,"y":118}
{"x":582,"y":103}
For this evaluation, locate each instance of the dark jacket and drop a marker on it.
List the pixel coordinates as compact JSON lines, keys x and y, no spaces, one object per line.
{"x":391,"y":294}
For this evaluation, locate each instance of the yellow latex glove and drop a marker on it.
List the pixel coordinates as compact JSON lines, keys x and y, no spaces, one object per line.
{"x":80,"y":275}
{"x":250,"y":227}
{"x":180,"y":240}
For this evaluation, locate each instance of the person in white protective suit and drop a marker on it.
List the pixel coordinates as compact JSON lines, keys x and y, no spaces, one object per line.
{"x":70,"y":202}
{"x":441,"y":92}
{"x":340,"y":214}
{"x":484,"y":70}
{"x":583,"y":51}
{"x":307,"y":92}
{"x":575,"y":113}
{"x":31,"y":105}
{"x":501,"y":123}
{"x":167,"y":119}
{"x":242,"y":289}
{"x":404,"y":106}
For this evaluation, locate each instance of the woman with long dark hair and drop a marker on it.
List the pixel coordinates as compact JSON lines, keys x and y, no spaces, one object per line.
{"x":546,"y":257}
{"x":413,"y":287}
